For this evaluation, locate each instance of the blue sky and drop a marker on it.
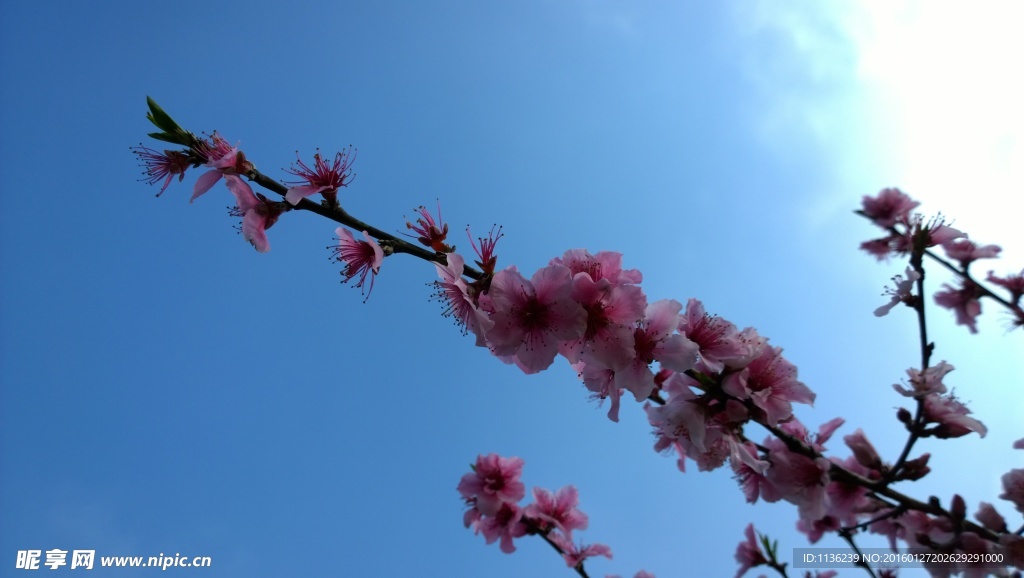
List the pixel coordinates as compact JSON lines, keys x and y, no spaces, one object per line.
{"x":166,"y":389}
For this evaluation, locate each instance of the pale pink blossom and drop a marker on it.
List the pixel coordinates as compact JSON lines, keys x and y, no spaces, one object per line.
{"x":1013,"y":488}
{"x":323,"y":177}
{"x":258,"y":214}
{"x":604,"y":265}
{"x":927,"y":382}
{"x":654,"y":340}
{"x":220,"y":156}
{"x":798,"y":479}
{"x":748,"y":469}
{"x":454,"y":290}
{"x":361,"y":258}
{"x":557,"y":510}
{"x":532,"y":317}
{"x":612,"y":313}
{"x":941,"y":234}
{"x":770,"y":382}
{"x":505,"y":525}
{"x":950,"y":417}
{"x":717,"y":339}
{"x":902,"y":292}
{"x":601,"y":382}
{"x":574,"y":555}
{"x":863,"y":451}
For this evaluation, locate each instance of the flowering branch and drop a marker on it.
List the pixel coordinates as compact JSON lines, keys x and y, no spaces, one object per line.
{"x":712,"y":378}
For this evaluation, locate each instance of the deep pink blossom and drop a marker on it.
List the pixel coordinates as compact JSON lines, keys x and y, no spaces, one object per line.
{"x":557,"y":510}
{"x":361,"y":258}
{"x":485,"y":250}
{"x":532,"y":317}
{"x":889,"y":207}
{"x":162,"y":166}
{"x":494,"y":481}
{"x":258,"y":214}
{"x":431,"y":234}
{"x":323,"y":177}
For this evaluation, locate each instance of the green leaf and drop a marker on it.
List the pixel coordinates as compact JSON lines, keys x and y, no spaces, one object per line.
{"x":166,"y":137}
{"x":161,"y":119}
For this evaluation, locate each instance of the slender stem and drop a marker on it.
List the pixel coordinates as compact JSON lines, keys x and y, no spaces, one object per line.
{"x":535,"y":529}
{"x":846,"y":535}
{"x":926,"y":354}
{"x":339,"y":215}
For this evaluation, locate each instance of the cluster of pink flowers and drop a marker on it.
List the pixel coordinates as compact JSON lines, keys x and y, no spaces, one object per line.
{"x":227,"y":162}
{"x":702,"y":380}
{"x":492,"y":492}
{"x":909,"y":234}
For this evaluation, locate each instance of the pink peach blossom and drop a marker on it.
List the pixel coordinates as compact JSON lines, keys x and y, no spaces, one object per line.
{"x":654,"y":340}
{"x":322,"y":177}
{"x":532,"y":317}
{"x":258,"y":214}
{"x":889,"y":207}
{"x":494,"y":481}
{"x":557,"y":510}
{"x":361,"y":258}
